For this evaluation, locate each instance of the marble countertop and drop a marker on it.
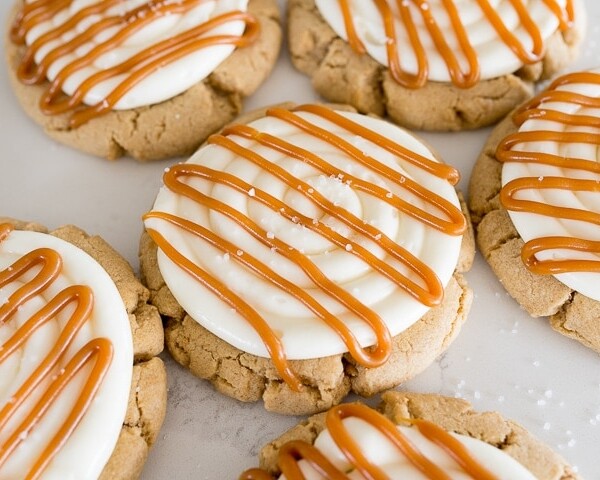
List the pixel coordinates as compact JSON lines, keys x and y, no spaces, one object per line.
{"x":503,"y":360}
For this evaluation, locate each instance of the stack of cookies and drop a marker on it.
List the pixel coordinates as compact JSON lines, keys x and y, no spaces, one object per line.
{"x":304,"y":252}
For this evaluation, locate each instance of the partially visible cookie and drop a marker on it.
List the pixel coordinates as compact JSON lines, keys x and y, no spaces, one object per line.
{"x":285,"y":244}
{"x":496,"y":448}
{"x":540,"y":231}
{"x":441,"y":91}
{"x":122,"y":336}
{"x":168,"y":112}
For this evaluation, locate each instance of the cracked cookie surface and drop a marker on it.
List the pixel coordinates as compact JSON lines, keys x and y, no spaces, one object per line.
{"x":571,"y":313}
{"x":452,"y":414}
{"x":173,"y":127}
{"x":147,"y":402}
{"x":341,"y":75}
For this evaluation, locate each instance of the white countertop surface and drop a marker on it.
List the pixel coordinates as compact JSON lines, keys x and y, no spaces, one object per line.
{"x":503,"y":360}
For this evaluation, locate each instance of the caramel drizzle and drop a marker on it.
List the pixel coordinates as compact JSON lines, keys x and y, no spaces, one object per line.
{"x":292,"y":452}
{"x":428,"y":290}
{"x":509,"y":193}
{"x":98,"y":352}
{"x":135,"y":69}
{"x":460,"y":78}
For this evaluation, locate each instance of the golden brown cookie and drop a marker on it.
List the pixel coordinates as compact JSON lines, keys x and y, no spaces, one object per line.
{"x":573,"y":311}
{"x":340,"y":74}
{"x":452,"y":415}
{"x":324,"y":378}
{"x":169,"y":127}
{"x":146,"y":406}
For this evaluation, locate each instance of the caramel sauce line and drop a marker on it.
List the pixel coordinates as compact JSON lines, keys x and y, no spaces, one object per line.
{"x":504,"y":152}
{"x":565,"y":16}
{"x":391,"y":48}
{"x":437,"y":169}
{"x":511,"y":189}
{"x":374,"y":356}
{"x":456,"y":224}
{"x":554,"y":267}
{"x":509,"y":192}
{"x":136,"y":68}
{"x":431,"y":296}
{"x":100,"y":350}
{"x":292,"y":452}
{"x":32,"y":14}
{"x":352,"y":451}
{"x":454,"y":448}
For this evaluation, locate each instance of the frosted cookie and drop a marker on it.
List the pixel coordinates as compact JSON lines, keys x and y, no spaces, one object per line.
{"x":433,"y":64}
{"x":535,"y":195}
{"x":307,"y":254}
{"x":409,"y":436}
{"x":146,"y":78}
{"x":82,"y":393}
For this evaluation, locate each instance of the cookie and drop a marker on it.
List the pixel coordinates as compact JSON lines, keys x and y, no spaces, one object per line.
{"x":150,"y":79}
{"x":535,"y":197}
{"x":82,"y":308}
{"x":423,"y":429}
{"x":291,"y":244}
{"x":442,"y":75}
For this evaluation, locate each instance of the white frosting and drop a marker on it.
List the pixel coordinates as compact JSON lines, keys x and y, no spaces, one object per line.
{"x":87,"y":450}
{"x":167,"y":82}
{"x":303,"y":335}
{"x":382,"y":453}
{"x":495,"y":57}
{"x":531,"y":226}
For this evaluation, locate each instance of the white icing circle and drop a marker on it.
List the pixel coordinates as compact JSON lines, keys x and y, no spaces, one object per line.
{"x":302,"y":333}
{"x":531,"y":226}
{"x":495,"y":57}
{"x":382,"y":453}
{"x":167,"y":82}
{"x":86,"y":452}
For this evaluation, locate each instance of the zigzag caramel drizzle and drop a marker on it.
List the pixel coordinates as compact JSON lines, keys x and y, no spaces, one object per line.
{"x":292,"y":452}
{"x":509,"y":193}
{"x":98,"y":352}
{"x":428,"y":290}
{"x":460,"y":78}
{"x":135,"y":69}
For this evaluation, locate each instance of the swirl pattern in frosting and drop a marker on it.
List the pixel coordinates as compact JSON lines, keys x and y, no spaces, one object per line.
{"x":361,"y":443}
{"x":65,"y":359}
{"x":308,"y":233}
{"x":449,"y":41}
{"x":551,"y":181}
{"x":122,"y":54}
